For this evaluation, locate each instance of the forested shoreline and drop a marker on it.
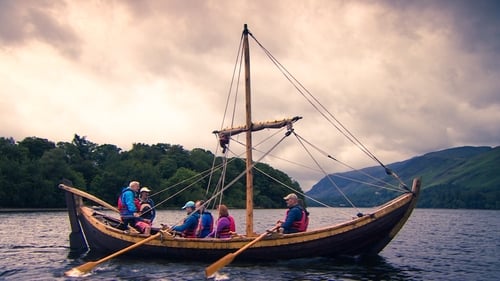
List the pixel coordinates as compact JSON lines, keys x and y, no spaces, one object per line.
{"x":31,"y":170}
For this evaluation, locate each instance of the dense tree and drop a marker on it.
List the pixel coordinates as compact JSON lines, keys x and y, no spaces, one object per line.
{"x":13,"y":165}
{"x":36,"y":146}
{"x":31,"y":170}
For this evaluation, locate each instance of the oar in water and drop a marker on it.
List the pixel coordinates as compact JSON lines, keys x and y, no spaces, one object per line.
{"x":86,"y":267}
{"x":227,"y":259}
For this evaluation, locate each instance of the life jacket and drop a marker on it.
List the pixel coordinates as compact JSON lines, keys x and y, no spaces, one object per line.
{"x":232,"y":225}
{"x":123,"y":207}
{"x":190,"y":233}
{"x":300,"y":225}
{"x":226,"y":231}
{"x":205,"y":226}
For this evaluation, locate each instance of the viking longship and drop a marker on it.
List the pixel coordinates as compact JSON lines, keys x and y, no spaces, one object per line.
{"x":360,"y":234}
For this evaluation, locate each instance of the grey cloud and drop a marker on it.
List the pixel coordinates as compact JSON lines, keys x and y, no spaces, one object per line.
{"x":11,"y":26}
{"x":24,"y":21}
{"x":477,"y":23}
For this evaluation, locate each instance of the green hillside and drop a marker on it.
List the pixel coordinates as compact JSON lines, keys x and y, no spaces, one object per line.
{"x":462,"y":177}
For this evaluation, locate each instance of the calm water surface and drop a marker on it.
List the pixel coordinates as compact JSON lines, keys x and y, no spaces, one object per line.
{"x":435,"y":244}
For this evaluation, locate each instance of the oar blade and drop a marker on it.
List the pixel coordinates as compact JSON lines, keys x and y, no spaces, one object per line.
{"x":85,"y":268}
{"x":81,"y":270}
{"x":214,"y":267}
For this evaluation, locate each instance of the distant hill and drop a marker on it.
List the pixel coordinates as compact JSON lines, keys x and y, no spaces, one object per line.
{"x":462,"y":177}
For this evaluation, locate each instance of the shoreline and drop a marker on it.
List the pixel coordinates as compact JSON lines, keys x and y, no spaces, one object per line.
{"x":31,"y":210}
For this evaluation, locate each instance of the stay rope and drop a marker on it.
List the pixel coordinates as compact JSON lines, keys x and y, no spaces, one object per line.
{"x":220,"y":186}
{"x":222,"y":189}
{"x":383,"y":184}
{"x":323,"y":111}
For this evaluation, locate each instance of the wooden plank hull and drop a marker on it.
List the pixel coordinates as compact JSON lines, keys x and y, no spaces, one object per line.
{"x":366,"y":235}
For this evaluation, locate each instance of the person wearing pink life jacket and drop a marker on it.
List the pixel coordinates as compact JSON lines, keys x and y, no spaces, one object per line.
{"x":297,"y":218}
{"x":225,"y":224}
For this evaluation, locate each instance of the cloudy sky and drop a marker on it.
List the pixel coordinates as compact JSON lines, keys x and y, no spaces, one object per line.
{"x":407,"y":77}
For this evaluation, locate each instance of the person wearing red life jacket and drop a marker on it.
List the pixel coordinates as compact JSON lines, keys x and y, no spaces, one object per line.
{"x":129,"y":204}
{"x":297,"y":218}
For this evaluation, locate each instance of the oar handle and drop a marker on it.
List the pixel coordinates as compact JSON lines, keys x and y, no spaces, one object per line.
{"x":131,"y":247}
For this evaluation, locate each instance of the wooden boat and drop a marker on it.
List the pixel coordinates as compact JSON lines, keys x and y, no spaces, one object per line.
{"x":365,"y":234}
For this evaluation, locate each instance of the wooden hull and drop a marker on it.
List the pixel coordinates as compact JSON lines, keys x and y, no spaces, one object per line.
{"x":366,"y":235}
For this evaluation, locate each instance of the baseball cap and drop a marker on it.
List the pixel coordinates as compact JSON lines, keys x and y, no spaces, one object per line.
{"x":189,"y":204}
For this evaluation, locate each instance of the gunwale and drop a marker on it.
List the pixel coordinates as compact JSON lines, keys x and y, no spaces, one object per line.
{"x":366,"y":235}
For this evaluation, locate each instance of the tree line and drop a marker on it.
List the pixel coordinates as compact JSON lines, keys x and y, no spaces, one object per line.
{"x":31,"y":170}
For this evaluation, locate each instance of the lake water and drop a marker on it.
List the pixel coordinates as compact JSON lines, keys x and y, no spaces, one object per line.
{"x":435,"y":244}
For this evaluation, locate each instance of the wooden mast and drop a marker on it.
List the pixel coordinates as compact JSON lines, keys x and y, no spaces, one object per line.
{"x":249,"y":172}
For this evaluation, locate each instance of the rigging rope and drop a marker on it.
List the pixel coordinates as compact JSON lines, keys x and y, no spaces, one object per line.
{"x":322,"y":110}
{"x":395,"y":188}
{"x":244,"y":172}
{"x":224,"y":144}
{"x":220,"y":187}
{"x":328,"y":176}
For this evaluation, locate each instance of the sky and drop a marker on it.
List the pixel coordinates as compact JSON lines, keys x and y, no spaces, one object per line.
{"x":407,"y":77}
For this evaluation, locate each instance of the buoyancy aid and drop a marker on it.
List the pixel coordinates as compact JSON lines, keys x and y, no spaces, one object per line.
{"x":205,"y":224}
{"x":123,"y":207}
{"x":189,"y":232}
{"x":225,"y":232}
{"x":300,"y":225}
{"x":232,"y":224}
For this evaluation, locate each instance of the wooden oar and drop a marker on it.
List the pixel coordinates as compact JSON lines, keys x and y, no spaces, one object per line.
{"x":227,"y":259}
{"x":86,"y":267}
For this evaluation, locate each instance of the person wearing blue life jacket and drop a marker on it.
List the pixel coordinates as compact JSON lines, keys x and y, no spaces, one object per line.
{"x":129,"y":204}
{"x":297,"y":218}
{"x":206,"y":222}
{"x":190,"y":224}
